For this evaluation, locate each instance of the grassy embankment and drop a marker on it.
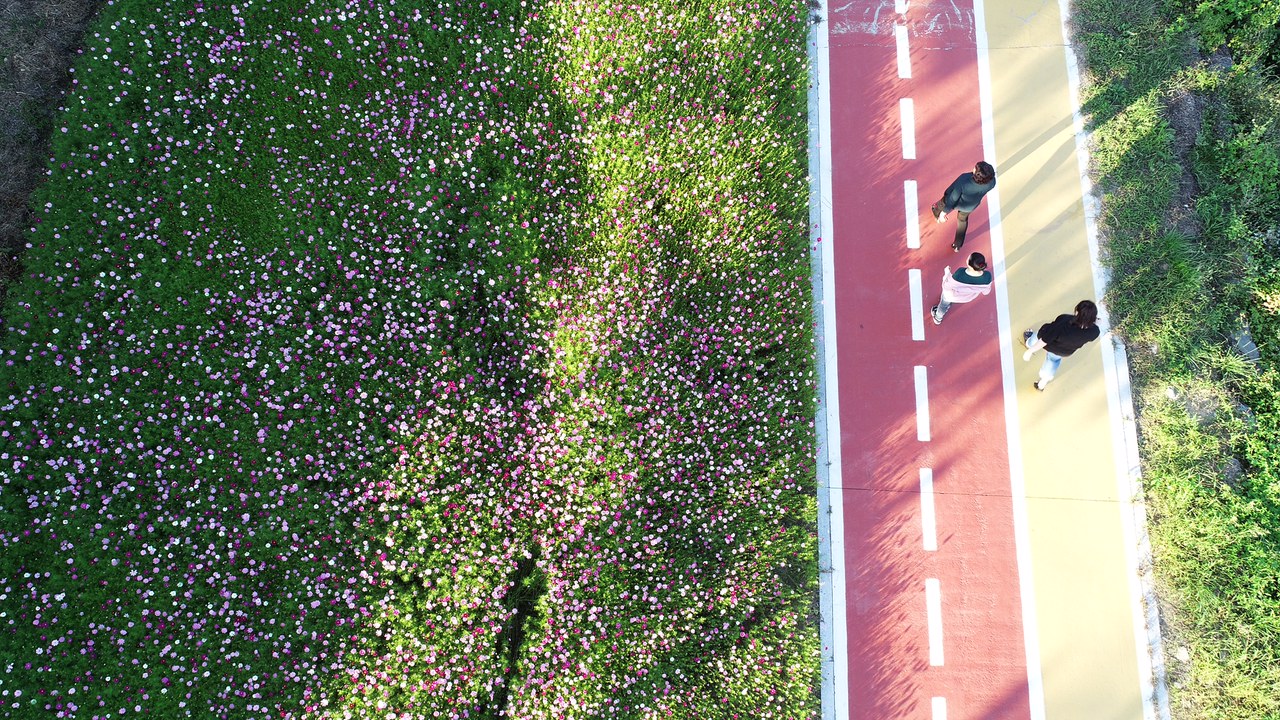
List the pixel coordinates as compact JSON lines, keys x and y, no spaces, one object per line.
{"x":440,"y":363}
{"x":1181,"y":101}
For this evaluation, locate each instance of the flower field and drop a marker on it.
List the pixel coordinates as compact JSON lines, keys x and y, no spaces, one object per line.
{"x":396,"y":360}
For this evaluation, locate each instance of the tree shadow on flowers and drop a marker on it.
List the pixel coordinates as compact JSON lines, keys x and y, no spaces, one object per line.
{"x":528,"y":586}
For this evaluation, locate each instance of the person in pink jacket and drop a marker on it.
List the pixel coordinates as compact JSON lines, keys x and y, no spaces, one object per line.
{"x":963,"y":285}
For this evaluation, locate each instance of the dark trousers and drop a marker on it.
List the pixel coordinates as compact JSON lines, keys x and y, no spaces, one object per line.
{"x":962,"y":222}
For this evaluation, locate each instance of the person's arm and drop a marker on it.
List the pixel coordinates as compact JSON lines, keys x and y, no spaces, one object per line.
{"x":948,"y":284}
{"x":1044,"y":335}
{"x":950,"y":198}
{"x":1032,"y":350}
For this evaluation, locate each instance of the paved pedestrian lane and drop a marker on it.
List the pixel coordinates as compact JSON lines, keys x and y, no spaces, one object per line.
{"x":980,"y":540}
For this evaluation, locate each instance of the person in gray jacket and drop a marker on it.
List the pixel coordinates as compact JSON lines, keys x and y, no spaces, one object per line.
{"x":963,"y":196}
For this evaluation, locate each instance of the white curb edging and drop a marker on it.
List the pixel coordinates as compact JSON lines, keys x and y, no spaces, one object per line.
{"x":834,"y":627}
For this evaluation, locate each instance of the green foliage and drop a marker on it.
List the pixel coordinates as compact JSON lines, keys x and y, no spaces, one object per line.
{"x":1161,"y":296}
{"x":1218,"y":555}
{"x":1248,"y":27}
{"x":1254,"y":169}
{"x":1241,"y":175}
{"x":1129,"y":49}
{"x":1136,"y":166}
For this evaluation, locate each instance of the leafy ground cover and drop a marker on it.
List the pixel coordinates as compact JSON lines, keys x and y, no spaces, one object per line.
{"x":447,"y":361}
{"x":1187,"y":152}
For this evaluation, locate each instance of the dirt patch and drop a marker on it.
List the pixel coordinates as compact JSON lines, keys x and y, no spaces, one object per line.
{"x":1185,"y":113}
{"x":39,"y":41}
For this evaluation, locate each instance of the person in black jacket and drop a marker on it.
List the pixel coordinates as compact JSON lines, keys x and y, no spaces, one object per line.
{"x":963,"y":196}
{"x":1060,"y":338}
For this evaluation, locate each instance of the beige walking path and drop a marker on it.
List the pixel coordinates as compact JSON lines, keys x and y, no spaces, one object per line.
{"x":1084,"y":538}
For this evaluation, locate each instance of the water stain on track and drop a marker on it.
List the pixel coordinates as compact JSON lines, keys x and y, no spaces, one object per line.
{"x":875,"y":22}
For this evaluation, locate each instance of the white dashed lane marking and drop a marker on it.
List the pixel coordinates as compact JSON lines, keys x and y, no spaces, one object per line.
{"x":917,"y":304}
{"x":922,"y":403}
{"x":912,"y":203}
{"x":933,"y":605}
{"x":904,"y":52}
{"x":928,"y":523}
{"x":907,"y":110}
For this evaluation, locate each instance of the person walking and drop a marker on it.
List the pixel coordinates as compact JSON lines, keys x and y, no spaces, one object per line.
{"x":963,"y":285}
{"x":1060,"y":338}
{"x":963,"y":196}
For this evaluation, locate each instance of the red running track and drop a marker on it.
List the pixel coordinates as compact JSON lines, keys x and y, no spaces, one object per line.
{"x":983,"y":674}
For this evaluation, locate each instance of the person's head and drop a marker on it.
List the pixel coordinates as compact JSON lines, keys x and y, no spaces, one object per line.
{"x":977,"y":261}
{"x":1086,"y":314}
{"x":983,"y":173}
